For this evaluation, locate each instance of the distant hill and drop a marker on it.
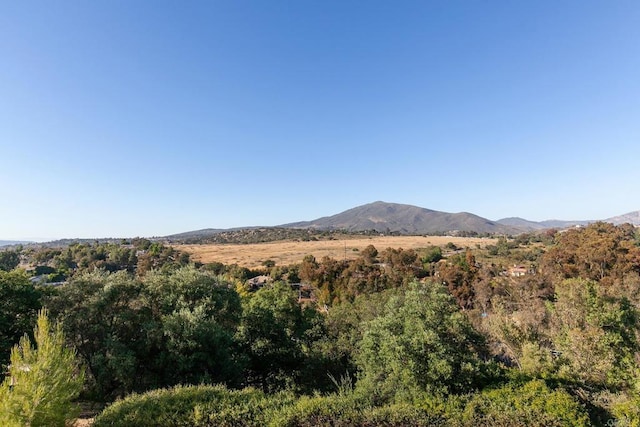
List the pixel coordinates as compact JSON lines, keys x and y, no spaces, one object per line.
{"x":404,"y":219}
{"x":196,"y":234}
{"x":526,"y":225}
{"x":385,"y":217}
{"x":631,"y":218}
{"x":521,"y":224}
{"x":13,"y":242}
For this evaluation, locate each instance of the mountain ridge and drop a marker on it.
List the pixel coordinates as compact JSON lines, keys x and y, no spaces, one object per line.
{"x":384,"y":217}
{"x":404,"y":219}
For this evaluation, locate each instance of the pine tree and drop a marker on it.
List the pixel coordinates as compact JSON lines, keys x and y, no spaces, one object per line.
{"x":43,"y":380}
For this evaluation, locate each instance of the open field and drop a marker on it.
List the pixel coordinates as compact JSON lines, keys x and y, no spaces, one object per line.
{"x":285,"y":253}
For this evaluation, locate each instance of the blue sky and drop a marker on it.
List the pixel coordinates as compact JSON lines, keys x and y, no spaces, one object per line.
{"x":132,"y":118}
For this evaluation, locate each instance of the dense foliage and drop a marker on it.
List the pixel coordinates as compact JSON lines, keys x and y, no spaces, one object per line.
{"x":541,"y":329}
{"x":20,"y":301}
{"x":263,"y":235}
{"x":420,"y":343}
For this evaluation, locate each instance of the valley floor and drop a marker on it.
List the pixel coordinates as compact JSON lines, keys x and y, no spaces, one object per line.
{"x":289,"y":252}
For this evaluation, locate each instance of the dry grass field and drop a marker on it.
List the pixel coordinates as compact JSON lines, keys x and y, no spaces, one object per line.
{"x":285,"y":253}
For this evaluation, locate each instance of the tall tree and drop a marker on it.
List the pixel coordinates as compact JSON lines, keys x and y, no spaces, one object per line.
{"x":275,"y":335}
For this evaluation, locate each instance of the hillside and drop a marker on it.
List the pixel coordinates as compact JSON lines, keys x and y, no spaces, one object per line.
{"x":525,"y":225}
{"x":521,"y":224}
{"x":631,"y":218}
{"x":404,"y":219}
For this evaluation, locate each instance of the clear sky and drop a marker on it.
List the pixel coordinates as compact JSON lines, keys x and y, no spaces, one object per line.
{"x":146,"y":118}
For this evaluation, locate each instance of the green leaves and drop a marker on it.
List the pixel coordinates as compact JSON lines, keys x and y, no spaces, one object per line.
{"x":421,"y":343}
{"x":20,"y":301}
{"x":43,"y":380}
{"x":596,"y":333}
{"x":165,"y":329}
{"x":9,"y":260}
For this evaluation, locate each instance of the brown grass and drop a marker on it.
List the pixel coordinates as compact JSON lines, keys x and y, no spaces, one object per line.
{"x":285,"y":253}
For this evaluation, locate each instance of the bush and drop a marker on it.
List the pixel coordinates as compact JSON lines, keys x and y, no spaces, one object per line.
{"x":531,"y":404}
{"x":332,"y":410}
{"x":351,"y":410}
{"x":626,"y":413}
{"x":196,"y":406}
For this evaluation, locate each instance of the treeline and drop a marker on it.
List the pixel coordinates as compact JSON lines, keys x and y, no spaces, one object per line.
{"x":438,"y":336}
{"x":265,"y":234}
{"x":57,"y":264}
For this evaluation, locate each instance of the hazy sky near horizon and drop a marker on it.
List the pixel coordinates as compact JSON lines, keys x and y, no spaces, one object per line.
{"x":140,"y":118}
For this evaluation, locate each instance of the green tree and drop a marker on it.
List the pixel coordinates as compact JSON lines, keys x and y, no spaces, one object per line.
{"x":345,"y":324}
{"x":44,"y":380}
{"x":432,"y":254}
{"x":20,"y":301}
{"x":9,"y":260}
{"x":421,"y":343}
{"x":199,"y":315}
{"x":107,"y":320}
{"x":275,"y":336}
{"x":595,"y":333}
{"x":165,"y":329}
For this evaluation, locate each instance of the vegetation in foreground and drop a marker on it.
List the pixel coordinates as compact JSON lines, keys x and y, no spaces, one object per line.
{"x":438,"y":336}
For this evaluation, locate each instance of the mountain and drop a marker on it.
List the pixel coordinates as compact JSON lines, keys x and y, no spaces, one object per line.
{"x":404,"y":219}
{"x":631,"y":217}
{"x":391,"y":218}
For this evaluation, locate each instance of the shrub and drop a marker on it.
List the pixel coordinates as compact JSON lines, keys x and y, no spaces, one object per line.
{"x":626,"y":413}
{"x":531,"y":404}
{"x":197,"y":406}
{"x":332,"y":410}
{"x":353,"y":411}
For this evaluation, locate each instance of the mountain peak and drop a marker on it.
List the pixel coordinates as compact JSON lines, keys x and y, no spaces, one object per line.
{"x":405,"y":219}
